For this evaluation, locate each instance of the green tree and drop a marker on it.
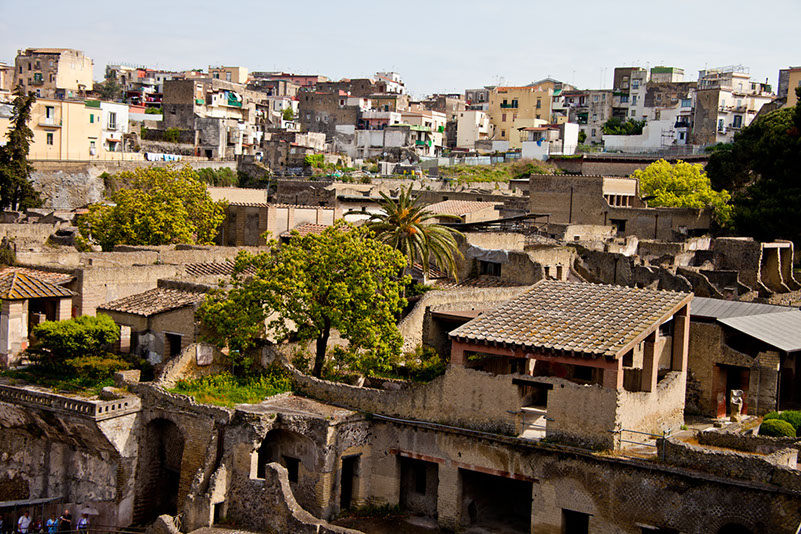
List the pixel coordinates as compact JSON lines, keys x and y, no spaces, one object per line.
{"x":109,"y":89}
{"x":683,"y":185}
{"x":56,"y":342}
{"x":288,"y":114}
{"x":342,"y":280}
{"x":16,"y":190}
{"x":163,"y":205}
{"x":615,"y":126}
{"x":582,"y":137}
{"x":406,"y":225}
{"x":762,"y":169}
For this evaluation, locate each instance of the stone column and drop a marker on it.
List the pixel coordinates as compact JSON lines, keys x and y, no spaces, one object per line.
{"x":681,"y":339}
{"x":650,"y":363}
{"x":449,"y":497}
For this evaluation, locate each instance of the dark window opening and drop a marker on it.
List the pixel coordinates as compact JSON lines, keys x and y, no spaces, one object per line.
{"x":173,"y":344}
{"x":489,"y":268}
{"x":420,"y":479}
{"x":619,"y":223}
{"x":575,"y":522}
{"x":582,"y":372}
{"x":292,"y":467}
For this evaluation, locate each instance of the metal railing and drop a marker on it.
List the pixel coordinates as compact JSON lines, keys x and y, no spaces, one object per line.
{"x":620,"y":441}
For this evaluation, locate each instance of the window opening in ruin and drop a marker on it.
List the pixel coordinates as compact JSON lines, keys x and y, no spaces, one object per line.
{"x":489,"y":268}
{"x":125,"y":338}
{"x":619,"y":223}
{"x":628,"y":359}
{"x":666,"y":329}
{"x":292,"y":467}
{"x":173,"y":342}
{"x":496,"y":501}
{"x":420,"y":479}
{"x":350,"y":473}
{"x":575,"y":522}
{"x":582,"y":372}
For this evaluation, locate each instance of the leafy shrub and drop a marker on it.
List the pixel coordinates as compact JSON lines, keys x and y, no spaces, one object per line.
{"x":153,"y":111}
{"x":224,"y":177}
{"x":776,"y":428}
{"x":171,"y":135}
{"x":793,"y":417}
{"x":771,"y":415}
{"x":57,"y":342}
{"x":98,"y":367}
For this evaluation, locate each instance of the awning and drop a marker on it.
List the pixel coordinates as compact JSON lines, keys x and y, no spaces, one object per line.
{"x":28,"y":502}
{"x":780,"y":330}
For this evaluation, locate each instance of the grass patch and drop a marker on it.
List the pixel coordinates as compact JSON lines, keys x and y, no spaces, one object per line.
{"x":225,"y":389}
{"x":85,"y":377}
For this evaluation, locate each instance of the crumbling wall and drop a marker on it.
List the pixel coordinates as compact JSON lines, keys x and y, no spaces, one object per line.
{"x":195,"y":361}
{"x":268,"y":505}
{"x":777,"y":467}
{"x":653,"y":412}
{"x":746,"y":443}
{"x":581,"y":414}
{"x":461,"y":397}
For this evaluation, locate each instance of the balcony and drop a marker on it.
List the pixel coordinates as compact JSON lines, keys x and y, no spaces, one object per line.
{"x":509,"y":106}
{"x":50,"y":123}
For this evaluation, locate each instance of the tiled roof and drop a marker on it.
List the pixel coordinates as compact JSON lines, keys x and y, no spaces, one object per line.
{"x":21,"y":286}
{"x":45,"y":276}
{"x":154,"y":301}
{"x":433,"y":272}
{"x":594,"y":319}
{"x":480,"y":281}
{"x":306,"y":229}
{"x":225,"y":268}
{"x":459,"y":207}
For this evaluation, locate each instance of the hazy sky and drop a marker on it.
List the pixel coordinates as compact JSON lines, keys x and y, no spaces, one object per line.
{"x":437,"y":46}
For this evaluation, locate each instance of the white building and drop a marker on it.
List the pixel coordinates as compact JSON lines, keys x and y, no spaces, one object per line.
{"x":114,"y":124}
{"x":472,"y":126}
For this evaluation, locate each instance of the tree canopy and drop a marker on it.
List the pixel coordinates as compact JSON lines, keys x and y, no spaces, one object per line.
{"x":16,"y":190}
{"x":342,"y":280}
{"x":164,"y":205}
{"x":615,"y":126}
{"x":683,"y":185}
{"x":82,"y":337}
{"x":762,"y":167}
{"x":406,"y":225}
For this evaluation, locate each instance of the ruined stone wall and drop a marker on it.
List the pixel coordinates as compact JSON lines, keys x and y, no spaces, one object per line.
{"x":621,"y":495}
{"x":461,"y":397}
{"x":746,"y":443}
{"x":413,"y":327}
{"x":98,"y":285}
{"x":195,"y":361}
{"x":654,"y":412}
{"x":581,"y":414}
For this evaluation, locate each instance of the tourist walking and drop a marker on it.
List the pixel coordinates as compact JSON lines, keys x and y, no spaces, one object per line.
{"x":24,"y":523}
{"x":65,"y":521}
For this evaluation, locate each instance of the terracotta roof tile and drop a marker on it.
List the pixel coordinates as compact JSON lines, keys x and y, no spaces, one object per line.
{"x":21,"y":286}
{"x":594,"y":319}
{"x":45,"y":276}
{"x":221,"y":268}
{"x":306,"y":229}
{"x":154,"y":301}
{"x":480,"y":281}
{"x":459,"y":207}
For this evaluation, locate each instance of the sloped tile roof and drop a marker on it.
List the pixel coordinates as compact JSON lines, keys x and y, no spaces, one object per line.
{"x":45,"y":276}
{"x":480,"y":281}
{"x":306,"y":229}
{"x":154,"y":301}
{"x":21,"y":286}
{"x":594,"y":319}
{"x":459,"y":207}
{"x":433,"y":272}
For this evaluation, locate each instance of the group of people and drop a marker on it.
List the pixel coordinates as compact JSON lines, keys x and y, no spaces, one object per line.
{"x":64,"y":524}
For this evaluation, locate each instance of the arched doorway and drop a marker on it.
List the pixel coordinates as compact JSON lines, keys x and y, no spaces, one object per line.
{"x":161,"y":451}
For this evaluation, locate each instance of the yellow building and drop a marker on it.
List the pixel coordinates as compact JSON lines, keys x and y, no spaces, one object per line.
{"x":789,"y":80}
{"x":229,"y":74}
{"x":515,"y":107}
{"x":65,"y":130}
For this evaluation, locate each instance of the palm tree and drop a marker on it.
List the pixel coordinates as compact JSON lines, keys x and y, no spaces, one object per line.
{"x":408,"y":226}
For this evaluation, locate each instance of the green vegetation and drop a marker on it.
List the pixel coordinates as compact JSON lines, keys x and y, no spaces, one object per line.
{"x":163,"y":205}
{"x":500,"y":172}
{"x":615,"y":126}
{"x":16,"y":189}
{"x":407,"y":226}
{"x":776,"y":428}
{"x":225,"y":389}
{"x":792,"y":417}
{"x":342,"y":279}
{"x":224,"y":177}
{"x":73,"y":355}
{"x":761,"y":168}
{"x":683,"y":185}
{"x":154,"y":111}
{"x":108,"y":89}
{"x":582,"y":137}
{"x":172,"y":135}
{"x":288,"y":114}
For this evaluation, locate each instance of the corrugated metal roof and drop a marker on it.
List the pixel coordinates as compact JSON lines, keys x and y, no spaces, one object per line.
{"x":722,"y":309}
{"x":20,"y":286}
{"x":781,"y":330}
